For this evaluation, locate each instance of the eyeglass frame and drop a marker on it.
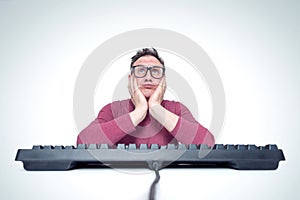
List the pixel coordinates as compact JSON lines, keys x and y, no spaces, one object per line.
{"x":148,"y":69}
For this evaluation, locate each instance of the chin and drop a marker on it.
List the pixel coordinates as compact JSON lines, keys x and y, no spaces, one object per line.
{"x":147,"y":94}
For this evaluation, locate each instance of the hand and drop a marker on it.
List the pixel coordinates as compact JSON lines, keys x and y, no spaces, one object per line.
{"x":137,"y":96}
{"x":161,"y":114}
{"x":158,"y":95}
{"x":139,"y":101}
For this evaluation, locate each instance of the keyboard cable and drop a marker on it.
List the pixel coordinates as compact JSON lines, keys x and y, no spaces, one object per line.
{"x":155,"y":167}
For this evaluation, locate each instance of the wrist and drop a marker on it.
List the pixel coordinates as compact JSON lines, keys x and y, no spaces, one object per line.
{"x":153,"y":105}
{"x":141,"y":108}
{"x":137,"y":115}
{"x":164,"y":117}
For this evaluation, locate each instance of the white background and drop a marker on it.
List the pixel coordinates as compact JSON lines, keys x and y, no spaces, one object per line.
{"x":254,"y":45}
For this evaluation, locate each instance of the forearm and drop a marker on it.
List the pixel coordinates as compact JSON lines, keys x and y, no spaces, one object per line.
{"x":164,"y":117}
{"x":109,"y":132}
{"x":138,"y":115}
{"x":189,"y":132}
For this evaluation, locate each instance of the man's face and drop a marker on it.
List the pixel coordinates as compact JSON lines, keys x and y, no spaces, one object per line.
{"x":147,"y":84}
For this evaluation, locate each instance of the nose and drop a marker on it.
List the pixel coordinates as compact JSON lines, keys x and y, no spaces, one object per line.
{"x":148,"y":75}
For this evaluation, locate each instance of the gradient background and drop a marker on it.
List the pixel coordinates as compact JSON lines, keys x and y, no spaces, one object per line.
{"x":254,"y":45}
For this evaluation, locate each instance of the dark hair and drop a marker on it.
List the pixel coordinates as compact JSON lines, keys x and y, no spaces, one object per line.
{"x":146,"y":52}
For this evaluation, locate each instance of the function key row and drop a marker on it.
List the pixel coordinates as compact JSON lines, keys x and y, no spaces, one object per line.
{"x":245,"y":147}
{"x":156,"y":146}
{"x":124,"y":146}
{"x":37,"y":147}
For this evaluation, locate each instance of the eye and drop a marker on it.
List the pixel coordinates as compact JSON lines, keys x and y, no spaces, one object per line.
{"x":141,"y":70}
{"x":155,"y":71}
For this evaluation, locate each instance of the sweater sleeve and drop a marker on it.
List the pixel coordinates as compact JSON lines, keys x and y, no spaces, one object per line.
{"x":188,"y":130}
{"x":107,"y":128}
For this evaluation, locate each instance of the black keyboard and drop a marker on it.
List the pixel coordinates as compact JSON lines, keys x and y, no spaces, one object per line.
{"x":241,"y":157}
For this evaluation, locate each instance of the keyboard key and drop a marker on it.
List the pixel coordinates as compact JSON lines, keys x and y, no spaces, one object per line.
{"x":81,"y":146}
{"x":219,"y":146}
{"x":92,"y":146}
{"x":230,"y":147}
{"x":70,"y":147}
{"x":171,"y":146}
{"x":132,"y":146}
{"x":182,"y":147}
{"x":121,"y":146}
{"x":38,"y":147}
{"x":48,"y":147}
{"x":192,"y":147}
{"x":241,"y":147}
{"x":103,"y":146}
{"x":143,"y":146}
{"x":252,"y":147}
{"x":271,"y":147}
{"x":154,"y":146}
{"x":58,"y":147}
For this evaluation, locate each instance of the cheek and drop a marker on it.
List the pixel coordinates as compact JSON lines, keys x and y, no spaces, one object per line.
{"x":156,"y":81}
{"x":139,"y":82}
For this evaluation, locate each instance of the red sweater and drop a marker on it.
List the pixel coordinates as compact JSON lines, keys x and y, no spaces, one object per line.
{"x":114,"y":126}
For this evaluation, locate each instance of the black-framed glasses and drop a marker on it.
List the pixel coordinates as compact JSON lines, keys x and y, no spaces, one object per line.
{"x":141,"y":71}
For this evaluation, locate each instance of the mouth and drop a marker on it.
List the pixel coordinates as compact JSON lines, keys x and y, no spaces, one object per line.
{"x":148,"y":86}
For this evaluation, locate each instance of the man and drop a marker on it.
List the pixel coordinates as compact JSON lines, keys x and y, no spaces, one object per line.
{"x":145,"y":118}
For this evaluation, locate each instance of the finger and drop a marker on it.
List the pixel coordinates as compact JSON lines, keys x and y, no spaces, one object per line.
{"x":134,"y":83}
{"x":165,"y":83}
{"x":130,"y":85}
{"x":162,"y":82}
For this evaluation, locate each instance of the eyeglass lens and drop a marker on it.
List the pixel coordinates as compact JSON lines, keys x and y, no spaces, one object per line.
{"x":141,"y":71}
